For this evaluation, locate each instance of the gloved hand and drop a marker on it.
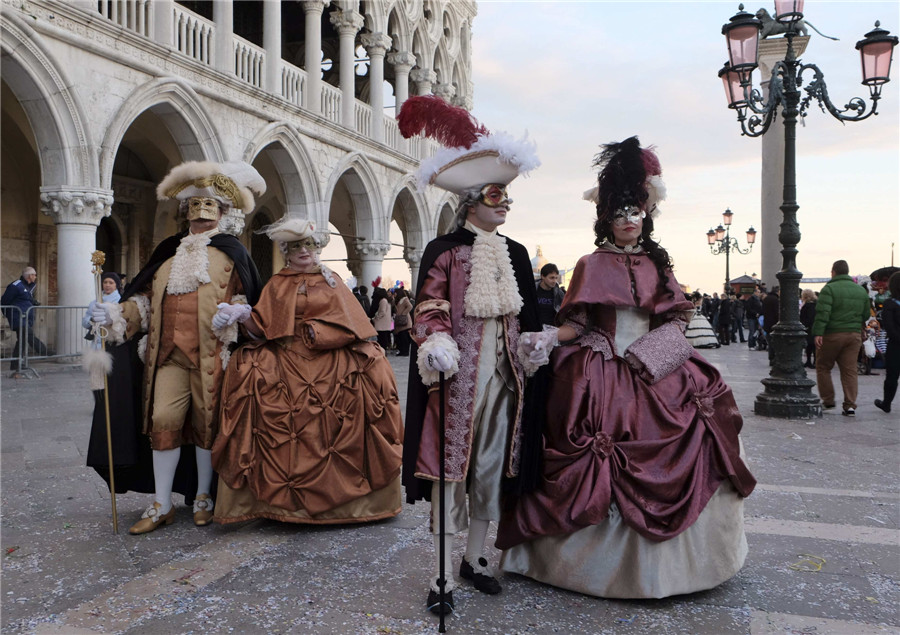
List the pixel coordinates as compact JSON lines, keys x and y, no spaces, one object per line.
{"x":439,"y":360}
{"x":230,"y":313}
{"x":536,"y":347}
{"x":99,"y":312}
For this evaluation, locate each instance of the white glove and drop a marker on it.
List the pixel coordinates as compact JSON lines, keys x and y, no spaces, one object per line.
{"x":100,"y":313}
{"x":228,"y":314}
{"x":537,"y":346}
{"x":439,"y":360}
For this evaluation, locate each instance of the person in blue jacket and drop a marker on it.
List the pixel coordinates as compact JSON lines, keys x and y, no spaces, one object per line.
{"x":16,"y":300}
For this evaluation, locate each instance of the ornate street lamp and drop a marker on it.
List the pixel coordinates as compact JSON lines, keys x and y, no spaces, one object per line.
{"x":788,"y":391}
{"x":721,"y":242}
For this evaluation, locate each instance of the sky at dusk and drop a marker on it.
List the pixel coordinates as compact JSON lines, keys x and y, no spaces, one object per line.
{"x":579,"y":74}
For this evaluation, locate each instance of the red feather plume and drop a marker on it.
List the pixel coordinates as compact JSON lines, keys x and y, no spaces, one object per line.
{"x":450,"y":126}
{"x":376,"y":282}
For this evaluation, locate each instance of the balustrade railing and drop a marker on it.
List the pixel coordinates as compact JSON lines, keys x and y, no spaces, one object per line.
{"x":392,"y":136}
{"x":249,"y":61}
{"x":293,"y":83}
{"x":193,"y":34}
{"x":363,"y":114}
{"x":133,"y":15}
{"x":331,"y":103}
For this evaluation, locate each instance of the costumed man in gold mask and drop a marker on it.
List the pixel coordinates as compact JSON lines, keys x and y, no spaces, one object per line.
{"x":171,"y":303}
{"x":475,"y":296}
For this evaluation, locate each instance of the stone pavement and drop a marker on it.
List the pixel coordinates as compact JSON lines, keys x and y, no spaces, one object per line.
{"x":822,"y":528}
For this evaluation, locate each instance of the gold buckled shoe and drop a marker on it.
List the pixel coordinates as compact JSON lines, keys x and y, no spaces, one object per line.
{"x":203,"y":510}
{"x":151,"y":519}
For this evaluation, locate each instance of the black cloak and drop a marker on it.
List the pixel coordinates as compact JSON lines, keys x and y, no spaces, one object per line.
{"x":132,"y":455}
{"x":417,"y":392}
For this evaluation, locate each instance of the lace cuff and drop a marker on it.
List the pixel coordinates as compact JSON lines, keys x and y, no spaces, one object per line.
{"x":442,"y":340}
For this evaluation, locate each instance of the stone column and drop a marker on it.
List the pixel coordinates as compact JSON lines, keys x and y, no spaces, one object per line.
{"x":424,"y":78}
{"x":445,"y":91}
{"x":371,"y":256}
{"x":77,"y":212}
{"x":312,"y":96}
{"x":163,"y":21}
{"x":413,"y":258}
{"x":772,"y":51}
{"x":272,"y":44}
{"x":348,"y":24}
{"x":223,"y":16}
{"x":377,"y":44}
{"x":403,"y":62}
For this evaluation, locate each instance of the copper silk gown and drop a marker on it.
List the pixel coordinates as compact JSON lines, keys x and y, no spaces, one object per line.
{"x":643,"y":483}
{"x":310,"y":428}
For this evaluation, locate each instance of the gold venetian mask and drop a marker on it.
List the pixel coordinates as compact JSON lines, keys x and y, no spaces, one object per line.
{"x":202,"y":208}
{"x":309,"y":244}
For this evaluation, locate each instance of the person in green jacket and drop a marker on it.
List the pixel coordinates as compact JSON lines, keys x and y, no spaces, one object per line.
{"x":841,"y":313}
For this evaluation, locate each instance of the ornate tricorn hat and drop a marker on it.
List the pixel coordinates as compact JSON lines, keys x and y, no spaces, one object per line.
{"x":232,"y":183}
{"x":471,"y":156}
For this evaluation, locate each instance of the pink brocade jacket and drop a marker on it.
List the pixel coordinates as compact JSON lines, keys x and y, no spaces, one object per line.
{"x":445,"y":284}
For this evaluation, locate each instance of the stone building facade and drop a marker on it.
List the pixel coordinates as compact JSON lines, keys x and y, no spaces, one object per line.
{"x":101,"y":98}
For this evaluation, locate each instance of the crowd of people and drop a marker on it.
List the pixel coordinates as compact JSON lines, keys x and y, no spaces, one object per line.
{"x":582,"y":421}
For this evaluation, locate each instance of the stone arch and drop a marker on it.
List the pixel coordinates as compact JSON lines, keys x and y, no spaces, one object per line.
{"x":446,"y":212}
{"x":54,"y":112}
{"x":293,"y":164}
{"x":397,"y":29}
{"x":355,"y":173}
{"x":409,"y":207}
{"x":450,"y":31}
{"x":423,"y":51}
{"x":443,"y":67}
{"x":178,"y":106}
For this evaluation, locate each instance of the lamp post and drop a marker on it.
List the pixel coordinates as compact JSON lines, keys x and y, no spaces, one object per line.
{"x":721,"y":242}
{"x":788,"y":391}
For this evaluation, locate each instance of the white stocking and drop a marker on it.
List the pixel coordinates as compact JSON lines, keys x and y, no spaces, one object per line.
{"x":478,"y":530}
{"x":204,"y":470}
{"x":448,"y":552}
{"x":164,"y":464}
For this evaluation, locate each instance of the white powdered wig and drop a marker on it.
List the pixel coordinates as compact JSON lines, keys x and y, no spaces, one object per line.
{"x":520,"y":153}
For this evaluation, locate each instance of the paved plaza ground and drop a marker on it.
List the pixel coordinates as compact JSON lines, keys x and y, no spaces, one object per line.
{"x":822,"y":527}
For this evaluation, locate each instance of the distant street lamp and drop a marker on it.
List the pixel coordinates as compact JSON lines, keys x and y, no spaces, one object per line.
{"x":788,"y":391}
{"x":721,"y":242}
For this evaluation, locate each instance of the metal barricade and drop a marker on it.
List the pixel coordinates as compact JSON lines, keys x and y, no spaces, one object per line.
{"x":10,"y":327}
{"x":51,"y":333}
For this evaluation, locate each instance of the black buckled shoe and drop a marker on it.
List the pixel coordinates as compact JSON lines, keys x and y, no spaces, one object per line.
{"x":433,"y":603}
{"x":480,"y":576}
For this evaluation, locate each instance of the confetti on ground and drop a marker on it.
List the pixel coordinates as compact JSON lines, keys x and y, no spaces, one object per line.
{"x":627,"y":620}
{"x":10,"y":550}
{"x":810,"y":563}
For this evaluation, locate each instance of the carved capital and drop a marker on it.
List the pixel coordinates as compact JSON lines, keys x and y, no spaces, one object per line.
{"x":463,"y":101}
{"x":314,"y":6}
{"x":346,"y":22}
{"x":447,"y":91}
{"x":413,"y":256}
{"x":402,"y":60}
{"x":423,"y":75}
{"x":376,"y":43}
{"x":76,"y":205}
{"x":371,"y":250}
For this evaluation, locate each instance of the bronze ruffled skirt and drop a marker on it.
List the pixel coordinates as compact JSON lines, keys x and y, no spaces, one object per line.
{"x":308,"y":436}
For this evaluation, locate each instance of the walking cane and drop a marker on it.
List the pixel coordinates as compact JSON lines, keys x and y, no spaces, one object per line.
{"x":442,"y":580}
{"x":97,"y":259}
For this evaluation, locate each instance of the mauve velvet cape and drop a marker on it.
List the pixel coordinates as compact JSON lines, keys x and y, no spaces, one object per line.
{"x":309,"y":423}
{"x":659,"y":451}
